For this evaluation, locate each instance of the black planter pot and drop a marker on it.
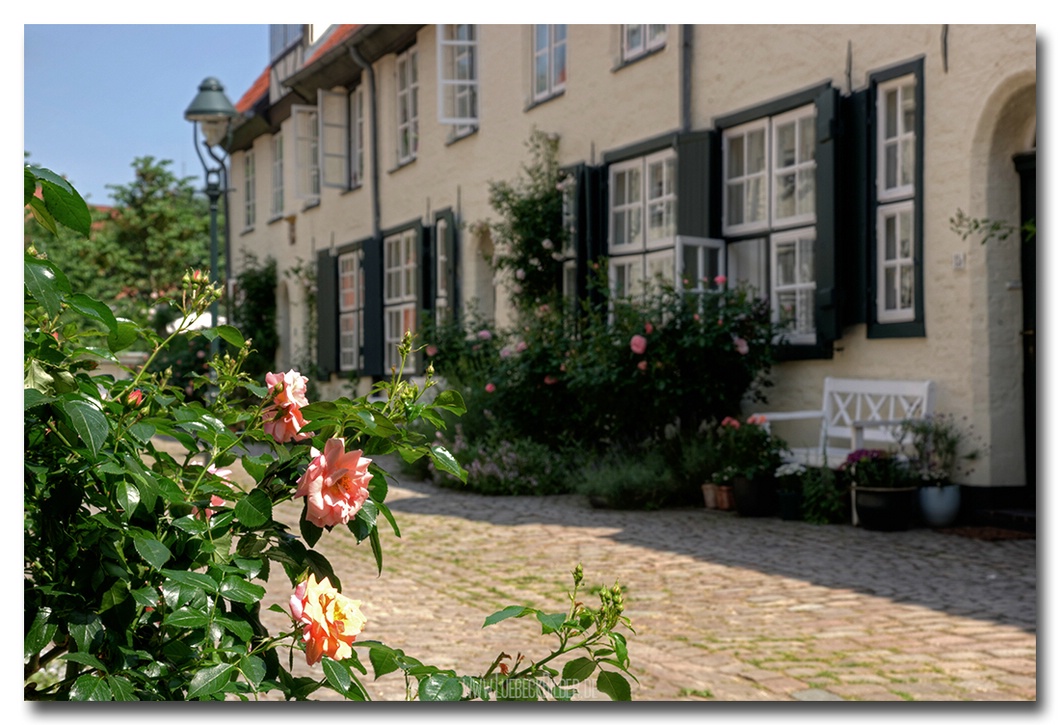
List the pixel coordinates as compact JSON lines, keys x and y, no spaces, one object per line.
{"x":755,"y":496}
{"x":886,"y":509}
{"x":789,"y":504}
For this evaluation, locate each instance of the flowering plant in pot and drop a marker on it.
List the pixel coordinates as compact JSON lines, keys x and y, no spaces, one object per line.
{"x":942,"y":452}
{"x":789,"y":489}
{"x":884,"y":491}
{"x":751,"y":453}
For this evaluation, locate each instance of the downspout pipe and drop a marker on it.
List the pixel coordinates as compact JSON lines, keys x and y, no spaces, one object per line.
{"x":369,"y":73}
{"x":686,"y":77}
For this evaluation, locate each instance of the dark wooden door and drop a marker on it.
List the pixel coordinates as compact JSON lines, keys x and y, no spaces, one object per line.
{"x":1026,"y":166}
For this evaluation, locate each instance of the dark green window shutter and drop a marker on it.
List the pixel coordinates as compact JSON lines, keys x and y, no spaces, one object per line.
{"x":591,"y":244}
{"x":452,"y":252}
{"x":373,"y":307}
{"x":828,"y":293}
{"x":853,"y":189}
{"x":327,"y":315}
{"x":694,"y":202}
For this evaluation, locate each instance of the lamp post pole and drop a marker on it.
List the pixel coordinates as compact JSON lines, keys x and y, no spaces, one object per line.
{"x":212,"y":110}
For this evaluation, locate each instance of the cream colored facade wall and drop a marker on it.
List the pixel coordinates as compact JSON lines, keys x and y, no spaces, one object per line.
{"x":983,"y":97}
{"x":979,"y":110}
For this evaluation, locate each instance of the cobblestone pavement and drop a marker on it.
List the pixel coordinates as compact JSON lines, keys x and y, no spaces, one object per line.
{"x":725,"y":608}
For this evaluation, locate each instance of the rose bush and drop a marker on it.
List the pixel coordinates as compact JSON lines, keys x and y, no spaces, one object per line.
{"x":170,"y":608}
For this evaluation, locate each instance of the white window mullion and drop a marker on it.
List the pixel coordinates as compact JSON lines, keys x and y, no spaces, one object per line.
{"x":306,"y":155}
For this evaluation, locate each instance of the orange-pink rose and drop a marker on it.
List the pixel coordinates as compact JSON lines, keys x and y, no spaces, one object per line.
{"x":335,"y":485}
{"x":292,"y":388}
{"x":282,"y":418}
{"x":330,"y":621}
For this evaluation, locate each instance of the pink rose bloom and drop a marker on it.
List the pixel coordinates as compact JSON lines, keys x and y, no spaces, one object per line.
{"x":720,"y":280}
{"x":330,"y":621}
{"x":741,"y":345}
{"x":696,"y":317}
{"x":284,"y":424}
{"x":484,"y":334}
{"x":730,"y":422}
{"x":638,"y":344}
{"x":135,"y":397}
{"x":551,"y":380}
{"x":520,"y":346}
{"x":642,"y":365}
{"x":335,"y":485}
{"x":757,"y":420}
{"x":292,"y":388}
{"x":432,"y":351}
{"x":506,"y":352}
{"x":648,"y":328}
{"x":490,"y":388}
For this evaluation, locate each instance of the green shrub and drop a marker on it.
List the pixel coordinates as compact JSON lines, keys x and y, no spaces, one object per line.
{"x":625,"y":480}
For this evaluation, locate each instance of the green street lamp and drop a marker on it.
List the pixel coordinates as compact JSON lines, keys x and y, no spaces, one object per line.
{"x":213,"y":112}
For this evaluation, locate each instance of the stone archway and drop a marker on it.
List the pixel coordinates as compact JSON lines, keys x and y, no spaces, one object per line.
{"x":1006,"y":128}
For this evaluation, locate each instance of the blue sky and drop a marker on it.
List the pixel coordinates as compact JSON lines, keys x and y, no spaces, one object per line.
{"x":99,"y":96}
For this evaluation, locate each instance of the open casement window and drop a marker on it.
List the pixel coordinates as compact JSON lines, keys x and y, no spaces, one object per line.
{"x":444,"y":281}
{"x":402,"y":285}
{"x":777,"y":177}
{"x":549,"y":61}
{"x":643,"y":216}
{"x":277,"y":176}
{"x":249,"y":190}
{"x":408,"y":105}
{"x":351,"y":292}
{"x":638,"y":40}
{"x":896,"y":277}
{"x":356,"y":136}
{"x":458,"y":76}
{"x":306,"y":153}
{"x":334,"y":137}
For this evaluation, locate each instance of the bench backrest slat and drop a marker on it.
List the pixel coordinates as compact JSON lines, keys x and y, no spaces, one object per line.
{"x":851,"y":399}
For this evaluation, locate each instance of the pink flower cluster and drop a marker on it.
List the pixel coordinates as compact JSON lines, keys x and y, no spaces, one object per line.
{"x":335,"y":485}
{"x":282,"y":418}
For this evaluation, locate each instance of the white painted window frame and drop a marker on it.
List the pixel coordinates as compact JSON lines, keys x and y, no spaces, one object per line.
{"x":356,"y":111}
{"x":902,"y":141}
{"x":351,"y":310}
{"x":306,"y":153}
{"x":898,"y":263}
{"x":458,"y":100}
{"x":804,"y":289}
{"x":804,"y":120}
{"x":746,"y":178}
{"x":549,"y":46}
{"x":399,"y":293}
{"x":277,"y":175}
{"x":649,"y":38}
{"x":250,"y":207}
{"x":407,"y":109}
{"x":334,"y":138}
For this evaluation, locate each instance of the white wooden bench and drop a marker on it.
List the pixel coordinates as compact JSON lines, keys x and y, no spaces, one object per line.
{"x":856,"y":413}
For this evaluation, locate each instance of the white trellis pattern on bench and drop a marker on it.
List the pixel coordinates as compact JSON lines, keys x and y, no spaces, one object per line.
{"x":856,"y":412}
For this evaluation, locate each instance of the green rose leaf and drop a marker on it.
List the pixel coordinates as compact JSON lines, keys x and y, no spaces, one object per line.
{"x":229,"y":334}
{"x":90,"y":688}
{"x":89,"y":422}
{"x":240,"y":590}
{"x":614,"y":686}
{"x":66,"y":205}
{"x":128,"y":498}
{"x":384,"y":659}
{"x":551,"y":622}
{"x":337,"y":673}
{"x":40,"y":633}
{"x":578,"y":669}
{"x":122,"y":689}
{"x":94,"y":309}
{"x":507,"y":613}
{"x":85,"y":628}
{"x":238,"y":627}
{"x":445,"y":461}
{"x":254,"y":510}
{"x":310,"y":531}
{"x":46,"y":283}
{"x":84,"y":658}
{"x":210,"y":680}
{"x":187,"y":617}
{"x":440,"y":688}
{"x":125,"y":334}
{"x":153,"y":551}
{"x":253,"y":668}
{"x":450,"y":400}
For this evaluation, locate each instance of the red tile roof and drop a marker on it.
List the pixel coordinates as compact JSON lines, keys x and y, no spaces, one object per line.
{"x":261,"y":86}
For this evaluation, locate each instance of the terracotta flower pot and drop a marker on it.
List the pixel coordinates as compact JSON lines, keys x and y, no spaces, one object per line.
{"x":710,"y":495}
{"x":725,"y":498}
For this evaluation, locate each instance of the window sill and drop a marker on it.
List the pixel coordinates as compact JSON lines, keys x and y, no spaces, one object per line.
{"x":625,"y":62}
{"x":453,"y":137}
{"x":247,"y":230}
{"x":310,"y":204}
{"x":275,"y":218}
{"x":544,"y":99}
{"x":401,"y":164}
{"x":354,"y":187}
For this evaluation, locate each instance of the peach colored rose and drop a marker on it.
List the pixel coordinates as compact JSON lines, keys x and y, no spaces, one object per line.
{"x":638,"y":344}
{"x":648,"y":328}
{"x":335,"y":485}
{"x":284,"y":423}
{"x":642,"y":365}
{"x":730,"y":422}
{"x":292,"y":388}
{"x":330,"y":621}
{"x":756,"y":420}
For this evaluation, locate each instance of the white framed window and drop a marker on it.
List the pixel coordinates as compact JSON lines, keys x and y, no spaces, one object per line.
{"x":700,"y":260}
{"x":625,"y":275}
{"x":895,"y":245}
{"x":661,"y":197}
{"x":770,"y":177}
{"x":351,"y":310}
{"x":441,"y":270}
{"x":306,"y":153}
{"x":794,"y":284}
{"x":399,"y":293}
{"x":638,"y":40}
{"x":249,"y":190}
{"x":458,"y":76}
{"x":896,"y":141}
{"x":627,"y":206}
{"x":408,"y":101}
{"x":277,"y":175}
{"x":334,"y":138}
{"x":746,"y":177}
{"x":550,"y":60}
{"x":794,"y":167}
{"x":357,"y":136}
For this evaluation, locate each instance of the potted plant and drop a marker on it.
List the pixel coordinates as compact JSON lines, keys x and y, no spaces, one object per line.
{"x":884,"y":489}
{"x":940,"y":450}
{"x":751,"y":454}
{"x":699,"y":464}
{"x":789,"y":490}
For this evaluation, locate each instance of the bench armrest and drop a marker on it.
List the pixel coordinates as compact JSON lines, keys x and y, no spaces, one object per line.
{"x":794,"y":415}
